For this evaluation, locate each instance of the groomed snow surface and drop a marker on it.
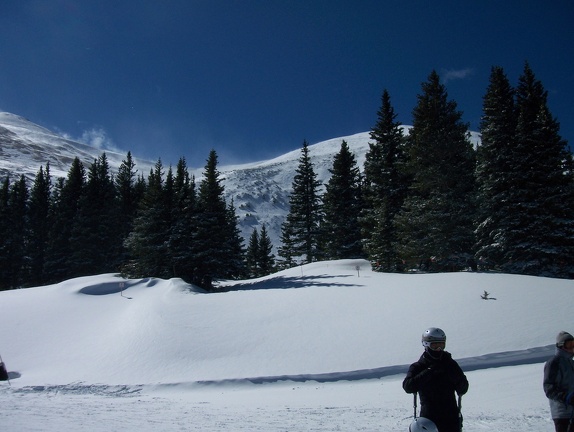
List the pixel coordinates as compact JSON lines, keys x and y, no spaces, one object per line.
{"x":321,"y":347}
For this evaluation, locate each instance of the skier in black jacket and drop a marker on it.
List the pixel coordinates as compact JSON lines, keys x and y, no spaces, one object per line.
{"x":436,"y":377}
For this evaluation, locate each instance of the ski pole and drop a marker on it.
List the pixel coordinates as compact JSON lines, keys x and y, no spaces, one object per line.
{"x":460,"y":413}
{"x":415,"y":404}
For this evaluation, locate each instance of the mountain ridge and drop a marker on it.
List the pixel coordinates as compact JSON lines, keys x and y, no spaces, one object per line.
{"x":259,"y":190}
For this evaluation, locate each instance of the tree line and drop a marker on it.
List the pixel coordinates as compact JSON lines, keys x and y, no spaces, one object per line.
{"x":94,"y":222}
{"x":430,"y":200}
{"x":426,"y":199}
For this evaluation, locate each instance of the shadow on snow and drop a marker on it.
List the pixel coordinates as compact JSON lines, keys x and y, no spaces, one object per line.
{"x":281,"y":282}
{"x":487,"y":361}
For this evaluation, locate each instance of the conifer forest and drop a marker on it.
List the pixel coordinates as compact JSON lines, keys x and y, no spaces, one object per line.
{"x":426,"y":200}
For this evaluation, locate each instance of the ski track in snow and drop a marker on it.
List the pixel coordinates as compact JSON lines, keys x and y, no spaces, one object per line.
{"x":218,"y":405}
{"x":223,"y":408}
{"x":509,"y":358}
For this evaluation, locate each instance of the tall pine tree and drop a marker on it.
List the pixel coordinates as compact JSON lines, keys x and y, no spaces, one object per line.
{"x":4,"y":230}
{"x":95,"y":237}
{"x":494,"y":161}
{"x":147,"y":243}
{"x":39,"y":226}
{"x":252,"y":255}
{"x":234,"y":251}
{"x":266,"y":257}
{"x":13,"y":242}
{"x":437,"y":216}
{"x":342,"y":203}
{"x":128,"y":199}
{"x":385,"y":188}
{"x":218,"y":249}
{"x":539,"y":239}
{"x":259,"y":258}
{"x":300,"y":232}
{"x":65,"y":208}
{"x":183,"y":229}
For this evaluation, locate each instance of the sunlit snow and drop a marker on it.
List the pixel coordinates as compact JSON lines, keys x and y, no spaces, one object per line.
{"x":321,"y":347}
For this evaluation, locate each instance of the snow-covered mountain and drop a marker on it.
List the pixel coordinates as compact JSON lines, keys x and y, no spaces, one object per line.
{"x":260,"y":190}
{"x":25,"y":147}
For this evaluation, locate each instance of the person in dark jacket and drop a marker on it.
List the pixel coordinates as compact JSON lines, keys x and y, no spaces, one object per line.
{"x":559,"y":383}
{"x":3,"y":371}
{"x":436,"y":377}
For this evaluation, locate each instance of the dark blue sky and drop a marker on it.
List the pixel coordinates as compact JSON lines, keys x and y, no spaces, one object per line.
{"x":253,"y":78}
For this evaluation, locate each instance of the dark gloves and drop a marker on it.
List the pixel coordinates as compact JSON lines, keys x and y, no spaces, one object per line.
{"x":569,"y":399}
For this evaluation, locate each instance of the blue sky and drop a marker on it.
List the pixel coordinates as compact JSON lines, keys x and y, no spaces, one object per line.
{"x":253,"y":78}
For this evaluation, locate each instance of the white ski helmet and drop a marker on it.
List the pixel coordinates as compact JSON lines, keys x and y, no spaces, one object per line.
{"x":433,"y":334}
{"x":422,"y":424}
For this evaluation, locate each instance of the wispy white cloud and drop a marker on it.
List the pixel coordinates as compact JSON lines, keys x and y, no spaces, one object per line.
{"x":98,"y":138}
{"x":456,"y":74}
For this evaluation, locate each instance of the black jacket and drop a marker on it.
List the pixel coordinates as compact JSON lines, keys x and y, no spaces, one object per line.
{"x":436,"y":380}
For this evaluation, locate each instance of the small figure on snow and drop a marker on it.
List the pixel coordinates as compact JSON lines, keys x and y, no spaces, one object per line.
{"x":559,"y":383}
{"x":436,"y":377}
{"x":3,"y":371}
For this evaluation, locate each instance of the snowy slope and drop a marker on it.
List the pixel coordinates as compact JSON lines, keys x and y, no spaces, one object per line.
{"x":320,"y":347}
{"x":25,"y":147}
{"x":260,"y":190}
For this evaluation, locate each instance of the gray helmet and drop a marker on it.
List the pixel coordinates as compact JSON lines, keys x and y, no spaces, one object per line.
{"x":562,"y":338}
{"x":433,"y":334}
{"x":422,"y":424}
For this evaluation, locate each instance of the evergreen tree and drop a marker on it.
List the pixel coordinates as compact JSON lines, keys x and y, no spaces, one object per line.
{"x":39,"y":226}
{"x":495,"y":158}
{"x":128,"y":199}
{"x":140,"y":188}
{"x":4,"y":233}
{"x":183,"y":228}
{"x":147,"y":243}
{"x":266,"y":257}
{"x":385,"y":187}
{"x":341,"y":208}
{"x":65,"y":207}
{"x":437,"y":216}
{"x":300,"y":231}
{"x":259,"y":257}
{"x":95,"y":237}
{"x":4,"y":229}
{"x":212,"y":255}
{"x":182,"y":179}
{"x":287,"y":248}
{"x":252,"y":256}
{"x":539,"y":237}
{"x":234,"y":251}
{"x":13,"y":242}
{"x":169,"y":201}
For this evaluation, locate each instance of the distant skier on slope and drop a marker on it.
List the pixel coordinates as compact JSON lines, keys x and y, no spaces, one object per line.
{"x":559,"y":383}
{"x":436,"y":377}
{"x":3,"y":371}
